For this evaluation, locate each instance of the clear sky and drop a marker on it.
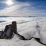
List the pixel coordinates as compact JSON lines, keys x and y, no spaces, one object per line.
{"x":23,"y":7}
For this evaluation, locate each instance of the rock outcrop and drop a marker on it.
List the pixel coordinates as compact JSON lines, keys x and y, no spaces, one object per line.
{"x":8,"y":31}
{"x":14,"y":27}
{"x":1,"y":34}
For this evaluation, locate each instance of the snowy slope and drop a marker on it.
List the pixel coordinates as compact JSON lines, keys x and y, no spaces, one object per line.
{"x":27,"y":27}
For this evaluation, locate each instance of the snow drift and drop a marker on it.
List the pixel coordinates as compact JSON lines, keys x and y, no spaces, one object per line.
{"x":27,"y":27}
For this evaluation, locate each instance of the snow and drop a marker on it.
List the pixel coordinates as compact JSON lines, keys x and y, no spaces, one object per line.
{"x":27,"y":27}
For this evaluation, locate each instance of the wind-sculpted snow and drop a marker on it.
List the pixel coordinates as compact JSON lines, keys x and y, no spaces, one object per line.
{"x":27,"y":27}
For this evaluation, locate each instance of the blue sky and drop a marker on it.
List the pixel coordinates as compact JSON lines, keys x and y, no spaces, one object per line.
{"x":23,"y":7}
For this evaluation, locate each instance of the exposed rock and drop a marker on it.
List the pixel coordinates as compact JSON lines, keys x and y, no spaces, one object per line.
{"x":1,"y":34}
{"x":8,"y":31}
{"x":21,"y":37}
{"x":14,"y":27}
{"x":38,"y":40}
{"x":6,"y":28}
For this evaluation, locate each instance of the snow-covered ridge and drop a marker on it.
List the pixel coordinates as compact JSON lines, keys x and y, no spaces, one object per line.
{"x":27,"y":28}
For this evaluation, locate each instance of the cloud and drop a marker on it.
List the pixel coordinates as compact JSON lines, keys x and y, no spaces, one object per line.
{"x":13,"y":10}
{"x":22,"y":9}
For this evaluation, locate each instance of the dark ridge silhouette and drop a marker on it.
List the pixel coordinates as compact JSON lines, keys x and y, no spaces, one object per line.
{"x":1,"y":33}
{"x":14,"y":27}
{"x":8,"y":31}
{"x":38,"y":40}
{"x":21,"y":37}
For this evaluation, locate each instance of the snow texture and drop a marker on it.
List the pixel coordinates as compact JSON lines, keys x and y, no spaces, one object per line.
{"x":27,"y":27}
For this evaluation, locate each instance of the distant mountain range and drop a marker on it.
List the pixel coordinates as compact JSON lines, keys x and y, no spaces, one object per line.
{"x":18,"y":16}
{"x":4,"y":16}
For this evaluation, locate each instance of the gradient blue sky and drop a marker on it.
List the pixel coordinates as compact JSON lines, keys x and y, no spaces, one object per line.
{"x":23,"y":8}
